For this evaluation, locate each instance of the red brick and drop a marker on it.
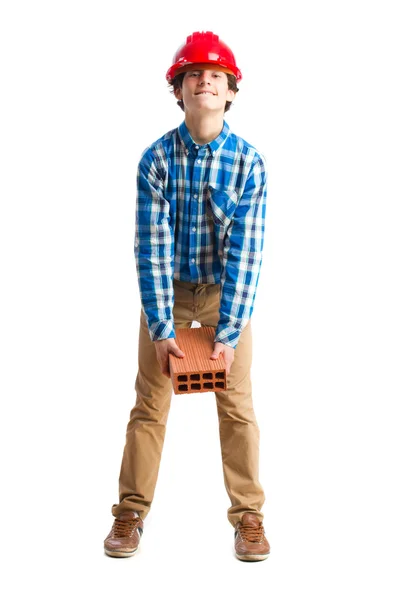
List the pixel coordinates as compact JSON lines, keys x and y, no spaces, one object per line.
{"x":196,"y":372}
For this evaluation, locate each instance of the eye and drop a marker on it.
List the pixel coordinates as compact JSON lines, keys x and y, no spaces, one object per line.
{"x":217,"y":75}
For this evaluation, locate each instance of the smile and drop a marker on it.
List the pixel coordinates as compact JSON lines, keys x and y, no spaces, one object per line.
{"x":200,"y":93}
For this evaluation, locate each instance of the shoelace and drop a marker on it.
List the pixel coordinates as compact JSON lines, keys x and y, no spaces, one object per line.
{"x":252,"y":534}
{"x":124,"y":528}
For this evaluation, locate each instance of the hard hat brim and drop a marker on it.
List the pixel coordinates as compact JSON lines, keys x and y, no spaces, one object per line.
{"x":203,"y":67}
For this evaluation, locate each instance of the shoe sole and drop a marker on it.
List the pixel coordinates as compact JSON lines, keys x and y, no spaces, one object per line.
{"x":252,"y":557}
{"x":120,"y":554}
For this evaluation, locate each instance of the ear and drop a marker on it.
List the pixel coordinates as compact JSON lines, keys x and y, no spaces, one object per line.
{"x":230,"y":95}
{"x":178,"y":94}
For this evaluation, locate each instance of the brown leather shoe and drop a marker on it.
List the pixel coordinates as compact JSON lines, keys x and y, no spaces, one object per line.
{"x":250,"y":540}
{"x":124,"y":537}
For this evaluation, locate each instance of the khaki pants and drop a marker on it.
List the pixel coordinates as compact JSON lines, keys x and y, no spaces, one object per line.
{"x":239,"y":432}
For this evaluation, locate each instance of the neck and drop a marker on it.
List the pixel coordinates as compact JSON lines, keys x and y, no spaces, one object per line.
{"x":204,"y":128}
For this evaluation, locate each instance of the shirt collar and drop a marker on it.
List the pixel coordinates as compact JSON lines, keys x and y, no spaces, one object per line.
{"x":214,"y":145}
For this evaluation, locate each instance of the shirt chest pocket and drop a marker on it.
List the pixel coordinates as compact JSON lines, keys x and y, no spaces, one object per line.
{"x":220,"y":205}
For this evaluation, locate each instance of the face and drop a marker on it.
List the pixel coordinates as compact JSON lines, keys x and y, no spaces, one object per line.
{"x":205,"y":91}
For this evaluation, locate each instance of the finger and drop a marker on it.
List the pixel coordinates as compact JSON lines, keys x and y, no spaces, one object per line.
{"x":177,"y":352}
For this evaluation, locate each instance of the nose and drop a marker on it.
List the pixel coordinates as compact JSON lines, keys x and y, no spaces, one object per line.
{"x":204,"y":77}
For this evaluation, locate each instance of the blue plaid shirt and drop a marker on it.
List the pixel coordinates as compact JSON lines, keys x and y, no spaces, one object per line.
{"x":200,"y":217}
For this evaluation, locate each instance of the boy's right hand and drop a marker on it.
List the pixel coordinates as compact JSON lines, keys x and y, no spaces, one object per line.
{"x":163,"y":348}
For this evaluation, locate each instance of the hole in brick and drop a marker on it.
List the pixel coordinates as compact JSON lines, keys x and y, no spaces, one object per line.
{"x":220,"y":384}
{"x":183,"y":387}
{"x":182,"y":378}
{"x":208,"y":385}
{"x":219,"y":375}
{"x":195,"y":386}
{"x":207,"y":375}
{"x":195,"y":377}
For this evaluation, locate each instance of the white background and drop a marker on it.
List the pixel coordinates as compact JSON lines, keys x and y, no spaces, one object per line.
{"x":83,"y":92}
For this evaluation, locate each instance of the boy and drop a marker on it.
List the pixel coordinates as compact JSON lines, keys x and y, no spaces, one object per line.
{"x":200,"y":214}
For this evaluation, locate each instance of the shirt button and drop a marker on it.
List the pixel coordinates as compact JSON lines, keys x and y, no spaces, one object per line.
{"x":194,"y":229}
{"x":193,"y":260}
{"x":196,"y":147}
{"x":199,"y":160}
{"x":195,"y":195}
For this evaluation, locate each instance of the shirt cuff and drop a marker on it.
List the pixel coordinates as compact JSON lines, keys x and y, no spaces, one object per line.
{"x":228,"y":335}
{"x":162,"y":330}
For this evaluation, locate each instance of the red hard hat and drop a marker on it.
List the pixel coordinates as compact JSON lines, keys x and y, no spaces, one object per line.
{"x":203,"y":48}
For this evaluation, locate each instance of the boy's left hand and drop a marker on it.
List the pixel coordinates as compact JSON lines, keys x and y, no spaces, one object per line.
{"x":228,"y":354}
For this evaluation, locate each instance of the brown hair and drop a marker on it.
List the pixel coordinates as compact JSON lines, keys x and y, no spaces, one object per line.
{"x":177,"y":83}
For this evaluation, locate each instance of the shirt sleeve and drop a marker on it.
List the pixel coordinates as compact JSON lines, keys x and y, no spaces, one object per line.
{"x":242,"y":257}
{"x":154,"y":248}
